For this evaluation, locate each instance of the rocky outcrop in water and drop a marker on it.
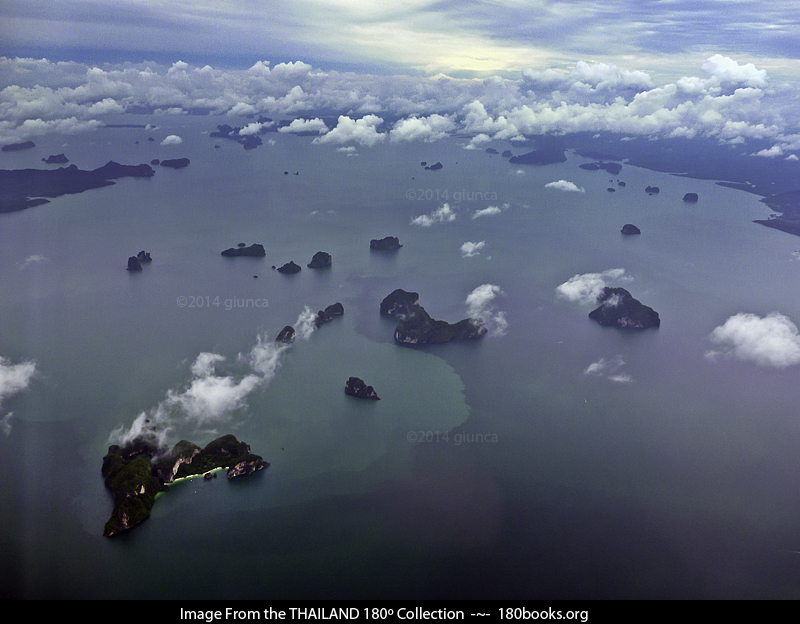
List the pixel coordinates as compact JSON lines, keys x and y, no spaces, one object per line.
{"x":286,"y":334}
{"x":255,"y":250}
{"x":356,"y":387}
{"x":652,"y":190}
{"x":435,"y":167}
{"x":328,"y":314}
{"x":320,"y":260}
{"x":139,"y":470}
{"x":134,"y":264}
{"x":390,"y":243}
{"x":399,"y":302}
{"x":690,"y":198}
{"x":250,"y":141}
{"x":289,"y":268}
{"x":417,"y":327}
{"x":176,"y":163}
{"x":55,"y":159}
{"x":629,"y":229}
{"x":619,"y":309}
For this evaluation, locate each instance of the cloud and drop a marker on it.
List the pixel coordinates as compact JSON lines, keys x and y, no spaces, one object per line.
{"x":14,"y":378}
{"x":480,"y":304}
{"x":33,"y":259}
{"x":609,"y":368}
{"x":363,"y":131}
{"x":255,"y":128}
{"x":489,"y":210}
{"x":478,"y":140}
{"x":564,"y":185}
{"x":428,"y":129}
{"x":210,"y":396}
{"x":472,"y":249}
{"x":306,"y":125}
{"x":727,"y":70}
{"x":587,"y":287}
{"x":769,"y":341}
{"x":304,"y":326}
{"x":443,"y":214}
{"x":172,"y":139}
{"x":727,"y":101}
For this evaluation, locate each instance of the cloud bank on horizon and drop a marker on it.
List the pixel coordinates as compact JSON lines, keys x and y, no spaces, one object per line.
{"x":728,"y":100}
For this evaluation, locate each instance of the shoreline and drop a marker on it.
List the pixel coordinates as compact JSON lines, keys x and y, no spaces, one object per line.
{"x":189,"y":478}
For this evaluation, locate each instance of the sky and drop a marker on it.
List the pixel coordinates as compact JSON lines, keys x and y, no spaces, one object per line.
{"x":415,"y":70}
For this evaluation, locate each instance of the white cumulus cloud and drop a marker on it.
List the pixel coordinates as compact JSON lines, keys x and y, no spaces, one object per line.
{"x":564,"y":185}
{"x":585,"y":288}
{"x":443,"y":214}
{"x":480,"y":303}
{"x":489,"y":210}
{"x":363,"y":131}
{"x":431,"y":128}
{"x":472,"y":249}
{"x":210,"y":396}
{"x":305,"y":125}
{"x":769,"y":341}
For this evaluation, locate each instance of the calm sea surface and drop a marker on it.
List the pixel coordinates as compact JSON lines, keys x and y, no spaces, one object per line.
{"x":496,"y":468}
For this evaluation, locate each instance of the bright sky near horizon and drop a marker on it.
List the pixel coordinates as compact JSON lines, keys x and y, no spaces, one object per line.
{"x":496,"y":70}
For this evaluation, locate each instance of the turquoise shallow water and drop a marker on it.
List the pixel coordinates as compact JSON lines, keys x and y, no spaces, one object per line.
{"x":497,"y":468}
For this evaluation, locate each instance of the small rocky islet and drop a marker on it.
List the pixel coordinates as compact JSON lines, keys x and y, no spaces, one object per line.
{"x":289,"y":268}
{"x":255,"y":250}
{"x":619,"y":309}
{"x":388,"y":243}
{"x":357,"y":388}
{"x":135,"y":262}
{"x":321,"y":260}
{"x":55,"y":159}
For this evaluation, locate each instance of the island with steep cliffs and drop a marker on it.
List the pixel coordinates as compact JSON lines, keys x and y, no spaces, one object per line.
{"x":139,"y":470}
{"x":389,"y":243}
{"x":619,"y":309}
{"x":320,"y":260}
{"x":357,"y":388}
{"x":417,"y":327}
{"x":328,"y":314}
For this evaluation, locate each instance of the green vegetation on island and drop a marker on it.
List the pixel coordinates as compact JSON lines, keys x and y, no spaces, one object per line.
{"x":136,"y":472}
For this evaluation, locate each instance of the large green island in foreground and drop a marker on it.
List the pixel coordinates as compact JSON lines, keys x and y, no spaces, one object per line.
{"x":136,"y":472}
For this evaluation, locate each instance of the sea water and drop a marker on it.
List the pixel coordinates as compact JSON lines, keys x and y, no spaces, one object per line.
{"x":493,"y":468}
